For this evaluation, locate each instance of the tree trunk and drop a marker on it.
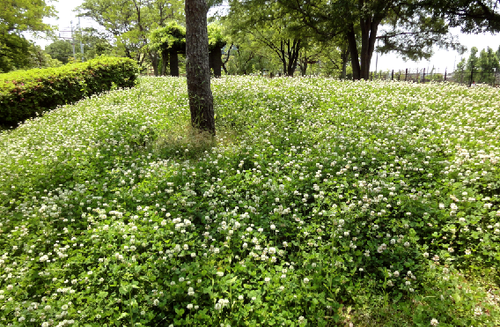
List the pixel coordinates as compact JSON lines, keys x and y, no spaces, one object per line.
{"x":368,"y":36}
{"x":293,"y":56}
{"x":216,"y":61}
{"x":174,"y":62}
{"x":164,"y":61}
{"x":344,"y":56}
{"x":353,"y":50}
{"x":303,"y":68}
{"x":154,"y":61}
{"x":197,"y":69}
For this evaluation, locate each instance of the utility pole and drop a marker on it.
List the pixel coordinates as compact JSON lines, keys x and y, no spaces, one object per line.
{"x":72,"y":40}
{"x":81,"y":36}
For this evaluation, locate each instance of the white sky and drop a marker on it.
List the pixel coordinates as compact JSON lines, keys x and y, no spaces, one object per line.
{"x":441,"y":60}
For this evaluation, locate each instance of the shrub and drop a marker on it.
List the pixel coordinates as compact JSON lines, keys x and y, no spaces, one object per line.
{"x":24,"y":94}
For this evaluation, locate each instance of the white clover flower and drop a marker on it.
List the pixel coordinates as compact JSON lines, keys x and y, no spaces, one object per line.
{"x":434,"y":322}
{"x":396,"y":273}
{"x":306,"y":280}
{"x":189,"y":306}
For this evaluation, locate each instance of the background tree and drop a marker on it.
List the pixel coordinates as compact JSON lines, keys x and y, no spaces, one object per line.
{"x":197,"y":68}
{"x":247,"y":58}
{"x":170,"y":40}
{"x":129,"y":22}
{"x":216,"y":41}
{"x":61,"y":50}
{"x":409,"y":27}
{"x":270,"y":26}
{"x":40,"y":59}
{"x":472,"y":16}
{"x":17,"y":16}
{"x":95,"y":43}
{"x":358,"y":22}
{"x":480,"y":69}
{"x":488,"y":65}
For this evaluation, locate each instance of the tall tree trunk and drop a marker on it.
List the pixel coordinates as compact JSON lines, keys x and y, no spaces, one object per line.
{"x":154,"y":61}
{"x":303,"y":67}
{"x":293,"y":56}
{"x":353,"y":50}
{"x":174,"y":62}
{"x":164,"y":62}
{"x":369,"y":29}
{"x":197,"y":69}
{"x":216,"y":61}
{"x":344,"y":56}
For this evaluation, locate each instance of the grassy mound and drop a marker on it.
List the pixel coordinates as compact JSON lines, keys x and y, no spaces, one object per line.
{"x":319,"y":203}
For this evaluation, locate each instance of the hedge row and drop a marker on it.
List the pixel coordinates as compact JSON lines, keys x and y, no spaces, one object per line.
{"x":24,"y":94}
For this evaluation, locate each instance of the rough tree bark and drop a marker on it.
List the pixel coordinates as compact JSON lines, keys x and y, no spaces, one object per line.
{"x":197,"y":68}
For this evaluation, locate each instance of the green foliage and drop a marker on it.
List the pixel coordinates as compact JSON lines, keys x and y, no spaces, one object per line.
{"x":17,"y":16}
{"x":482,"y":69}
{"x":24,"y":94}
{"x":172,"y":35}
{"x":60,"y":50}
{"x":130,"y":22}
{"x":216,"y":36}
{"x":14,"y":52}
{"x":271,"y":28}
{"x":95,"y":44}
{"x":322,"y":203}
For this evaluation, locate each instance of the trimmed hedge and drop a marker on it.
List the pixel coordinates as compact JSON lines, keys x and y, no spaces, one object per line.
{"x":24,"y":94}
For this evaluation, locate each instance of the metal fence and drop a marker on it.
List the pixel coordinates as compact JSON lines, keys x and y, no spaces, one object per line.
{"x":434,"y":75}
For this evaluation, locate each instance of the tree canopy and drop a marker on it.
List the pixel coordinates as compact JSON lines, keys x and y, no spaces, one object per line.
{"x":61,"y":50}
{"x":169,"y":40}
{"x":16,"y":17}
{"x":411,"y":28}
{"x":130,"y":21}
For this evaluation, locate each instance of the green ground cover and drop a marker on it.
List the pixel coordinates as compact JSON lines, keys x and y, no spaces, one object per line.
{"x":320,"y":203}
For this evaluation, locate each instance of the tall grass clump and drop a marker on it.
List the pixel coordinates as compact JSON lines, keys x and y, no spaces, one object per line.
{"x":319,"y":203}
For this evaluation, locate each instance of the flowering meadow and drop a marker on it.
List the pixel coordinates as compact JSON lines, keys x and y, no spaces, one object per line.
{"x":319,"y":203}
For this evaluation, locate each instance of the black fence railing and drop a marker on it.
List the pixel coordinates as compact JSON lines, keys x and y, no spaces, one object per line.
{"x":422,"y":76}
